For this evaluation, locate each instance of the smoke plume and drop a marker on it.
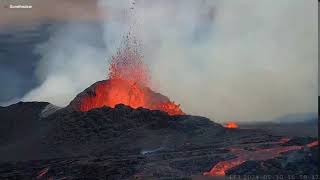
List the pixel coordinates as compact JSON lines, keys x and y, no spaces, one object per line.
{"x":228,"y":60}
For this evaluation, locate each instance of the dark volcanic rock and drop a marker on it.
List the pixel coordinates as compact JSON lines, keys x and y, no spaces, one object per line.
{"x":121,"y":141}
{"x":20,"y":120}
{"x":124,"y":143}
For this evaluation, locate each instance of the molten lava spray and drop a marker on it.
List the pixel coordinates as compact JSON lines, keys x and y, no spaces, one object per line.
{"x":128,"y":64}
{"x":128,"y":83}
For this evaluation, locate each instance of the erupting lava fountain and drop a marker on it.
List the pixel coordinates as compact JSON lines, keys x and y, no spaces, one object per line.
{"x":128,"y":83}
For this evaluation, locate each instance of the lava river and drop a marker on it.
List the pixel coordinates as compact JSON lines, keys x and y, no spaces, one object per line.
{"x":222,"y":167}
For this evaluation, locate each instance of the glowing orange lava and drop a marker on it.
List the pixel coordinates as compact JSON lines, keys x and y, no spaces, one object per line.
{"x":128,"y":64}
{"x":231,"y":125}
{"x":118,"y":91}
{"x":113,"y":92}
{"x":127,"y":84}
{"x":243,"y":155}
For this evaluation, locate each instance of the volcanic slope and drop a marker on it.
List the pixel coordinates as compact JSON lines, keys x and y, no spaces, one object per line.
{"x":122,"y":143}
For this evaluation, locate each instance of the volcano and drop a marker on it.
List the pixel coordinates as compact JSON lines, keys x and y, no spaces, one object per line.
{"x":127,"y":83}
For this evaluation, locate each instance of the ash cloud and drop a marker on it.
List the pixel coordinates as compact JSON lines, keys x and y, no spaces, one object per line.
{"x":227,"y":60}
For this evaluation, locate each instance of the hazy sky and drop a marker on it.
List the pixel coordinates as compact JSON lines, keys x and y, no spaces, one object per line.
{"x":224,"y":59}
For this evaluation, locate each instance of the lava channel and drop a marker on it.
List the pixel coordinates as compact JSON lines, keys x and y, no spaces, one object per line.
{"x":222,"y":167}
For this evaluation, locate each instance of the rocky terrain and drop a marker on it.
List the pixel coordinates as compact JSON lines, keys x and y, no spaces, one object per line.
{"x":39,"y":141}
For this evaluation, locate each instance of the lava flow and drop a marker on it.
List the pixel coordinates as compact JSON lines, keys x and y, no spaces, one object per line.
{"x":128,"y":83}
{"x":243,"y":155}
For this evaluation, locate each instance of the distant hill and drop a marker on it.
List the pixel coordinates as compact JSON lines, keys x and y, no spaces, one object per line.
{"x":298,"y":117}
{"x":300,"y":124}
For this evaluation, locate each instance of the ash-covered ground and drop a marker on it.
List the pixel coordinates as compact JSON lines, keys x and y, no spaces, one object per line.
{"x":41,"y":141}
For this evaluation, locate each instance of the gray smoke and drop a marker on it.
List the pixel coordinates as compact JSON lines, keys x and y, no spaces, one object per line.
{"x":228,"y":60}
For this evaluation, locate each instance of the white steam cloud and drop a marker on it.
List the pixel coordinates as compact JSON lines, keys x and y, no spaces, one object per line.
{"x":71,"y":61}
{"x":228,"y":60}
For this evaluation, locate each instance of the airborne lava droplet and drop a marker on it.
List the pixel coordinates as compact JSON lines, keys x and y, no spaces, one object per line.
{"x":128,"y":63}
